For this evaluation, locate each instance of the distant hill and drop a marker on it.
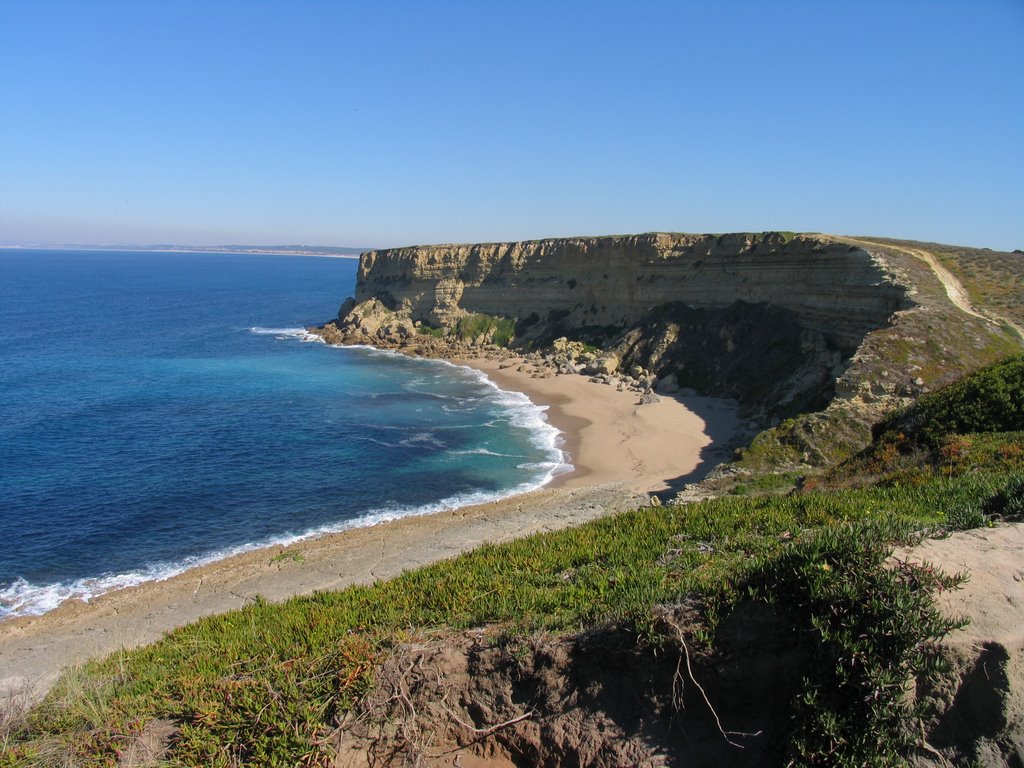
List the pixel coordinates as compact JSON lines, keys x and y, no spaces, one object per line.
{"x":296,"y":250}
{"x":307,"y":250}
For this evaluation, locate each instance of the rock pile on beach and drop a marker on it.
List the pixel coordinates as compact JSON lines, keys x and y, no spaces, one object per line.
{"x":372,"y":323}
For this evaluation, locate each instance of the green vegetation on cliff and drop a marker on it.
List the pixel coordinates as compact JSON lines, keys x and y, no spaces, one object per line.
{"x":490,"y":329}
{"x":975,"y":424}
{"x":475,"y":329}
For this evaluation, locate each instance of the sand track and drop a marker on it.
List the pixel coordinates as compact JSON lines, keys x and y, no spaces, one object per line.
{"x":955,"y":290}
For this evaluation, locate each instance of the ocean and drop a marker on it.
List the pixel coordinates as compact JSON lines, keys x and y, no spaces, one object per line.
{"x":160,"y":411}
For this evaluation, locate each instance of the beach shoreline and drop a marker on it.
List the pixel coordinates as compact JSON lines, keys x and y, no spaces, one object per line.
{"x":609,"y":436}
{"x":622,"y":452}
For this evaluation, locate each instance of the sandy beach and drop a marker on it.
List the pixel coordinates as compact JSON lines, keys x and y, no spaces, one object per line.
{"x":621,"y":452}
{"x":654,"y":448}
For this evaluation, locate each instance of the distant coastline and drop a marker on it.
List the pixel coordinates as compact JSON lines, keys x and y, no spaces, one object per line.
{"x":339,"y":252}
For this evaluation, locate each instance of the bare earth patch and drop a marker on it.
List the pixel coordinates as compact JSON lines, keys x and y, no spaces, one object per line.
{"x":980,"y":704}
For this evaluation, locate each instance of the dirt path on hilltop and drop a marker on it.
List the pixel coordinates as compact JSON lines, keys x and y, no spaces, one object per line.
{"x":953,"y":287}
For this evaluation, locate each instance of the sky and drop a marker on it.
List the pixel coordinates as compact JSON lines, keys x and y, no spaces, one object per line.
{"x":380,"y":123}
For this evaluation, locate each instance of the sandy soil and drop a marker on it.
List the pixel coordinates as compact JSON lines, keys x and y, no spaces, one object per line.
{"x":654,"y":448}
{"x":993,"y":597}
{"x":620,"y":450}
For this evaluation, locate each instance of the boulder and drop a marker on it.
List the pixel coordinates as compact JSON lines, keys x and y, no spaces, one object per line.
{"x":346,"y":307}
{"x":605,"y":365}
{"x":668,"y":385}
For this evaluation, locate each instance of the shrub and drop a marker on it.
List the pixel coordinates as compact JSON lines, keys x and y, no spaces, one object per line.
{"x":497,"y":330}
{"x":437,"y":333}
{"x":988,"y":400}
{"x":868,"y":629}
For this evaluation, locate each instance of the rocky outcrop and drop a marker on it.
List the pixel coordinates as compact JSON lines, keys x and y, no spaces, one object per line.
{"x":766,"y":319}
{"x":370,"y":322}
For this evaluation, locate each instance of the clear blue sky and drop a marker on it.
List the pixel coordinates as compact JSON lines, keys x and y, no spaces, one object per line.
{"x":388,"y":123}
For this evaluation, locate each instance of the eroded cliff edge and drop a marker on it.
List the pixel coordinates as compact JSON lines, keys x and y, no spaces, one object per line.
{"x":787,"y":325}
{"x":613,"y":282}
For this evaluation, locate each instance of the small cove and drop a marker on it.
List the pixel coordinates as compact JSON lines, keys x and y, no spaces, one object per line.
{"x":164,"y":410}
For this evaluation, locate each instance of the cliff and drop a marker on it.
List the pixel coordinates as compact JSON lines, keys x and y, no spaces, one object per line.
{"x":816,"y":336}
{"x":768,"y":319}
{"x":836,"y":289}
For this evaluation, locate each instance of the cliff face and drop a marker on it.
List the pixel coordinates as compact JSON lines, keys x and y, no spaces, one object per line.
{"x":767,"y":319}
{"x":615,"y":282}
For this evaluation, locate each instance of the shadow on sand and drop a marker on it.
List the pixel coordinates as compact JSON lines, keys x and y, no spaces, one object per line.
{"x":722,"y":424}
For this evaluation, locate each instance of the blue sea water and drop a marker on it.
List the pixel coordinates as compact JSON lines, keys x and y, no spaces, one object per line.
{"x":163,"y":410}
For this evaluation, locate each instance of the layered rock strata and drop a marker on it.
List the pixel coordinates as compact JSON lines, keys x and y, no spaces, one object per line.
{"x":767,"y":319}
{"x":616,"y":281}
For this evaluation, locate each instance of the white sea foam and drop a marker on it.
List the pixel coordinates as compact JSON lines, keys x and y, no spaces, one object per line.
{"x":424,"y":438}
{"x":517,"y":408}
{"x":485,"y":452}
{"x":22,"y":598}
{"x":523,"y":413}
{"x":285,"y":333}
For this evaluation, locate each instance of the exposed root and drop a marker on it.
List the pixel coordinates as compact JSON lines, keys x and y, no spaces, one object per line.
{"x":679,"y":683}
{"x":483,"y":732}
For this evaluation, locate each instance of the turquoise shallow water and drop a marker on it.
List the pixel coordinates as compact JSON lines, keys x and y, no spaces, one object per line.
{"x":159,"y":411}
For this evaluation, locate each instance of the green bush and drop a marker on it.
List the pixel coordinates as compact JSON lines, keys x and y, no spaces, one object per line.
{"x":437,"y":333}
{"x":988,"y":400}
{"x":496,"y":330}
{"x":867,"y":630}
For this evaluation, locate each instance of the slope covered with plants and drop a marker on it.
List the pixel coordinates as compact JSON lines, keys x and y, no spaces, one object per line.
{"x":746,"y":631}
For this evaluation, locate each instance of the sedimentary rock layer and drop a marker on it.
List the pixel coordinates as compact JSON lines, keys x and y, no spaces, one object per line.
{"x":768,"y":319}
{"x":832,"y":288}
